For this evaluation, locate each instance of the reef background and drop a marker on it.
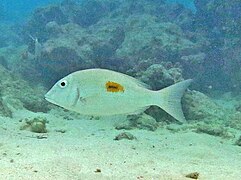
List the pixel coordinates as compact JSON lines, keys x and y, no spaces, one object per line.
{"x":199,"y":42}
{"x":157,"y":42}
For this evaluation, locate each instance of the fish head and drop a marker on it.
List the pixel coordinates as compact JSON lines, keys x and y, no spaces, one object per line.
{"x":63,"y":93}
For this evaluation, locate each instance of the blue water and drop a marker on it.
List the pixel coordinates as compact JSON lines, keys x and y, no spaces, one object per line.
{"x":18,"y":10}
{"x":186,"y":3}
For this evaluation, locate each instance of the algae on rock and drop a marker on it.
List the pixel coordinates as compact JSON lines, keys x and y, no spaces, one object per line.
{"x":37,"y":124}
{"x":140,"y":121}
{"x":18,"y":94}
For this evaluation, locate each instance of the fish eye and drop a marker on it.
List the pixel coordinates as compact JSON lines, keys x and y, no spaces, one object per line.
{"x":63,"y":84}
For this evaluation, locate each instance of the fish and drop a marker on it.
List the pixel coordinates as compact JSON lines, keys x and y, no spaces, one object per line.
{"x":101,"y":92}
{"x":37,"y":48}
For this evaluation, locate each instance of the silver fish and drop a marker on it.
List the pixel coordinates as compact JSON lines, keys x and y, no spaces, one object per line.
{"x":105,"y":92}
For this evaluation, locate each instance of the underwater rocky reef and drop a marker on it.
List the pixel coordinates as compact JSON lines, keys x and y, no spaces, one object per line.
{"x":131,"y":36}
{"x":156,"y":42}
{"x":17,"y":94}
{"x":219,"y":21}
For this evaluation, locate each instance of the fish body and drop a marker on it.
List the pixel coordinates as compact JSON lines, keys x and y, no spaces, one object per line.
{"x":105,"y":92}
{"x":37,"y":47}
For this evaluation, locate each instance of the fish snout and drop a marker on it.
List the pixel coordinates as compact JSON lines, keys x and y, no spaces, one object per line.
{"x":49,"y":96}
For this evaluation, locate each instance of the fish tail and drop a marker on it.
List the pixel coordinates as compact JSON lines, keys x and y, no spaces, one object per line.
{"x":169,"y":99}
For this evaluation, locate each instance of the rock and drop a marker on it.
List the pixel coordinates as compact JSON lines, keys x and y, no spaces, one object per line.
{"x":214,"y":130}
{"x":75,"y":49}
{"x":61,"y":130}
{"x":219,"y":22}
{"x":41,"y":136}
{"x":143,"y":121}
{"x":233,"y":120}
{"x":86,"y":36}
{"x":4,"y":109}
{"x":97,"y":170}
{"x":197,"y":106}
{"x":124,"y":125}
{"x":160,"y":115}
{"x":36,"y":26}
{"x":140,"y":121}
{"x":223,"y":31}
{"x":193,"y":63}
{"x":174,"y":128}
{"x":164,"y":41}
{"x":238,"y":107}
{"x":158,"y":76}
{"x":238,"y":142}
{"x":37,"y":124}
{"x":193,"y":175}
{"x":58,"y":59}
{"x":90,"y":12}
{"x":18,"y":94}
{"x":53,"y":29}
{"x":125,"y":135}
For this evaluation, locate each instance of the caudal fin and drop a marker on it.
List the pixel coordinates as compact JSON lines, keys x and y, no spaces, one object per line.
{"x":169,"y":99}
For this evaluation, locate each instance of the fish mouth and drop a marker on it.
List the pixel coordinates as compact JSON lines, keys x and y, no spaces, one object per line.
{"x":47,"y":98}
{"x":50,"y":100}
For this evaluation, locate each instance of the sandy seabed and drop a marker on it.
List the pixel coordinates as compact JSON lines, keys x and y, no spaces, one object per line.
{"x":88,"y":145}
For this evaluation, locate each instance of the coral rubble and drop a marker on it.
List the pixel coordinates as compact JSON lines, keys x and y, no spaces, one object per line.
{"x":37,"y":124}
{"x":125,"y":135}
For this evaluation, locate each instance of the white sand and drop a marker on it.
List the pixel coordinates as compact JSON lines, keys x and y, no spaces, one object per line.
{"x":88,"y":144}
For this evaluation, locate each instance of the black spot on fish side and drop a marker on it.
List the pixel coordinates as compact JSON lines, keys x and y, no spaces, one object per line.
{"x":114,"y":87}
